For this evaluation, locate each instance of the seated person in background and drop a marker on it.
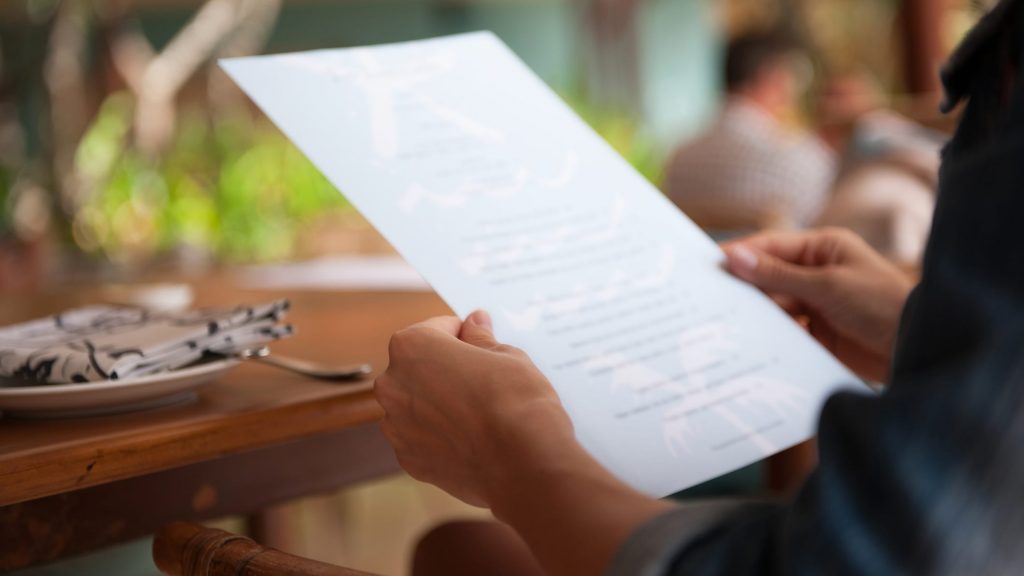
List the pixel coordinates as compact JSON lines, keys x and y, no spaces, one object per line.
{"x":885,"y":191}
{"x":885,"y":187}
{"x":752,"y":170}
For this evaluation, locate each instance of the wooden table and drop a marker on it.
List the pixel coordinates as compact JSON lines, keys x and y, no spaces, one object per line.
{"x":256,"y":437}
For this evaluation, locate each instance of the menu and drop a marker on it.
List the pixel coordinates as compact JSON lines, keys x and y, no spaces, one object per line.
{"x":673,"y":371}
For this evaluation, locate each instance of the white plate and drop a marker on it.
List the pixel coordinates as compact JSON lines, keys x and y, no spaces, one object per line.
{"x":110,"y":396}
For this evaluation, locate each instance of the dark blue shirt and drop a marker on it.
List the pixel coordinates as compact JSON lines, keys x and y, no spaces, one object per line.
{"x":928,"y":477}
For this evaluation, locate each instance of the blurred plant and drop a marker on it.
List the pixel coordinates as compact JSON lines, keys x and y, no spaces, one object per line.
{"x":625,"y":135}
{"x":232,"y":187}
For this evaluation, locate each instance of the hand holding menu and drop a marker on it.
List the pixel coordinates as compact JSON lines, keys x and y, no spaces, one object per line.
{"x":483,"y":179}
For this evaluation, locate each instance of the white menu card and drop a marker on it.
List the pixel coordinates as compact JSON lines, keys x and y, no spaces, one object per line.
{"x":672,"y":370}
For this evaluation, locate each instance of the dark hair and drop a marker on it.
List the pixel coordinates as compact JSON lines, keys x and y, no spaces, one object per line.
{"x":749,"y":54}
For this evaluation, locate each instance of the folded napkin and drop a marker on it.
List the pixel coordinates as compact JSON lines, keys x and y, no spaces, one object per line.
{"x":112,"y":342}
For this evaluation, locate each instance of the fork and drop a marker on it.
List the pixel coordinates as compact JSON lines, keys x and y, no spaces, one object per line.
{"x":305,"y":367}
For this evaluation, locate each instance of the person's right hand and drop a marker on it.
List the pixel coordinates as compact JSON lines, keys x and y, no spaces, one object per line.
{"x":851,"y":295}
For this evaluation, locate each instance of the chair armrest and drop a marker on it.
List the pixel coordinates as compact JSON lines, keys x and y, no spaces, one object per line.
{"x":186,"y":549}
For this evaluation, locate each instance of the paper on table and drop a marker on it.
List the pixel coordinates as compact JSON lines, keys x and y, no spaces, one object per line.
{"x":672,"y":371}
{"x":336,"y":273}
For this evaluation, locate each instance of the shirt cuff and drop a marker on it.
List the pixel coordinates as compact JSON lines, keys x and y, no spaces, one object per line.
{"x":654,"y":547}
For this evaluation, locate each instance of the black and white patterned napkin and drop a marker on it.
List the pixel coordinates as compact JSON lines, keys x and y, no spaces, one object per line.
{"x":113,"y":342}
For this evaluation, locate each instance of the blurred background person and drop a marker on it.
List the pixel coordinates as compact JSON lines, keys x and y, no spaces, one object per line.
{"x":886,"y":184}
{"x":755,"y":168}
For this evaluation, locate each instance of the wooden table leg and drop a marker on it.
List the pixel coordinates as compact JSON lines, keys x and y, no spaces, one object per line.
{"x":273,"y":527}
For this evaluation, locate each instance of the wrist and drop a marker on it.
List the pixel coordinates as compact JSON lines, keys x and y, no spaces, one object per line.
{"x":572,"y":512}
{"x":527,"y":447}
{"x":536,"y":458}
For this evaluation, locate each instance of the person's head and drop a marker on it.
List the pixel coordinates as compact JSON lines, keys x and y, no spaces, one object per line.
{"x":769,"y":68}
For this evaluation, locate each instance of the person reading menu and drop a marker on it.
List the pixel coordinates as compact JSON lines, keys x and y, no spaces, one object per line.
{"x":923,"y":479}
{"x":672,"y":370}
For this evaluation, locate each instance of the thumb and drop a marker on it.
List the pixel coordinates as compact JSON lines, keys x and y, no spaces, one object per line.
{"x":773,"y":274}
{"x":478,"y":330}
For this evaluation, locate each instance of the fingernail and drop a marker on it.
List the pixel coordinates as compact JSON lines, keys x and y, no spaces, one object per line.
{"x":742,"y":259}
{"x":481,"y":318}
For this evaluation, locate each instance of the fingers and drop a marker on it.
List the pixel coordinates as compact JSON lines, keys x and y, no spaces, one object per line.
{"x":478,"y":330}
{"x":431,"y":345}
{"x":792,"y":306}
{"x":791,"y":246}
{"x":774,"y":274}
{"x":819,"y":247}
{"x":447,"y":324}
{"x":423,"y":340}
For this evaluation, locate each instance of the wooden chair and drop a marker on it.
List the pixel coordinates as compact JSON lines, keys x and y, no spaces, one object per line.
{"x":186,"y":549}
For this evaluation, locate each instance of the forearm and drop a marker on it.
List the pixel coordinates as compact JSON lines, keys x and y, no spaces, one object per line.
{"x":571,"y":512}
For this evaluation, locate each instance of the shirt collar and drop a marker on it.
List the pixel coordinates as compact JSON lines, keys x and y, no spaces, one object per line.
{"x":958,"y":71}
{"x":740,"y":111}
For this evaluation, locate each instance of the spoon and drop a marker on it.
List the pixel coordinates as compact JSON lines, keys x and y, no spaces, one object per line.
{"x":307,"y":368}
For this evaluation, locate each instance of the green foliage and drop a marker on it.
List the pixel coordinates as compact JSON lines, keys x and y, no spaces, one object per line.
{"x":625,"y":136}
{"x":232,"y":187}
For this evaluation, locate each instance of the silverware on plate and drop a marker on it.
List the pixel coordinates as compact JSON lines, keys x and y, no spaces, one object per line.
{"x":307,"y":368}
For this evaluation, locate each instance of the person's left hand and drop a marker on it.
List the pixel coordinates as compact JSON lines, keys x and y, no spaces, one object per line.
{"x":462,"y":410}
